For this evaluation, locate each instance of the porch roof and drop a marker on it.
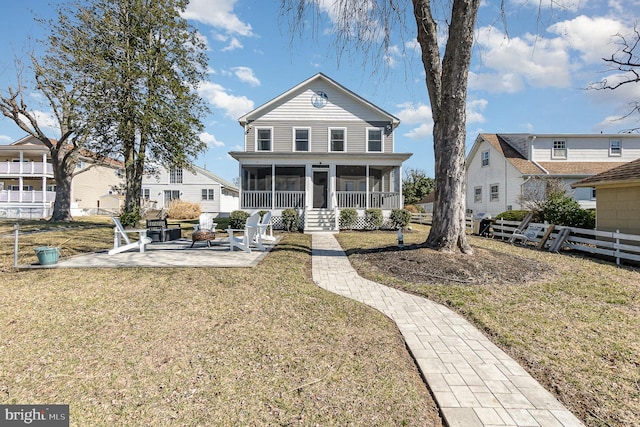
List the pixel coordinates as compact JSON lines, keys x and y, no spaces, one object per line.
{"x":274,"y":156}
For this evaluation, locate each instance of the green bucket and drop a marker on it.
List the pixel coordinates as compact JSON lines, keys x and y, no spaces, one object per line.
{"x":47,"y":255}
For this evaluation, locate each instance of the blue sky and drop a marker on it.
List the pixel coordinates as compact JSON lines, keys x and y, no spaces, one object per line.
{"x":530,"y":77}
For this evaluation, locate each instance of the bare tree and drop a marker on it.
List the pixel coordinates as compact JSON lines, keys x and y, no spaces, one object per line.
{"x":538,"y":190}
{"x":626,"y":63}
{"x":367,"y":25}
{"x":63,"y":101}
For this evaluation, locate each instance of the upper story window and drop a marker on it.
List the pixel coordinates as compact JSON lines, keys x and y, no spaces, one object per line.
{"x":485,"y":158}
{"x":477,"y":194}
{"x":337,"y":140}
{"x":615,"y":147}
{"x":374,"y":140}
{"x":146,"y":193}
{"x":559,"y":149}
{"x":175,"y":176}
{"x":301,"y":139}
{"x":263,"y":139}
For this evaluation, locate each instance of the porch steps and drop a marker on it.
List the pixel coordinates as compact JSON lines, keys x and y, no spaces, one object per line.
{"x":319,"y":220}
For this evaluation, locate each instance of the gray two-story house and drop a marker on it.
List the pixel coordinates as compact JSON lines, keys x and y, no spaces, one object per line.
{"x":319,"y":148}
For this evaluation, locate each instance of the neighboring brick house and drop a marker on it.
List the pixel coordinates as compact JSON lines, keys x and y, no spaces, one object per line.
{"x":501,"y":168}
{"x":319,"y":148}
{"x":618,"y":201}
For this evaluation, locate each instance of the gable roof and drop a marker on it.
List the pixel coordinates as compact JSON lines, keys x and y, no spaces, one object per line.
{"x":524,"y":166}
{"x":223,"y":182}
{"x":626,"y":173}
{"x":319,"y":76}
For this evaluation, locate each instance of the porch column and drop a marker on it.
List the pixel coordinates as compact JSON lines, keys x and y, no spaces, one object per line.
{"x":366,"y":187}
{"x":273,"y":186}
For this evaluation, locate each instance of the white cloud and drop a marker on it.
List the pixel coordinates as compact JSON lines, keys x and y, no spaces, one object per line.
{"x":210,"y":140}
{"x":217,"y":96}
{"x":474,"y":110}
{"x":532,"y":60}
{"x":416,"y":114}
{"x":5,"y":138}
{"x":219,"y":14}
{"x":245,"y":74}
{"x":593,"y":37}
{"x":234,"y":44}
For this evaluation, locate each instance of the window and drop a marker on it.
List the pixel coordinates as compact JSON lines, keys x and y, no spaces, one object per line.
{"x":208,"y":194}
{"x":593,"y":194}
{"x":51,"y":188}
{"x":24,"y":188}
{"x":337,"y":139}
{"x":485,"y":158}
{"x":263,"y":139}
{"x":374,"y":140}
{"x":170,"y":195}
{"x":494,"y":192}
{"x":615,"y":147}
{"x":146,"y":193}
{"x":175,"y":176}
{"x":477,"y":195}
{"x":301,"y":139}
{"x":559,"y":149}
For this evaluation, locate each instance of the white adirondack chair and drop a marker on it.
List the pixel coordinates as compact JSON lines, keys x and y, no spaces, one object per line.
{"x":265,"y":225}
{"x":250,"y":236}
{"x":530,"y":233}
{"x":120,"y":234}
{"x":205,"y":222}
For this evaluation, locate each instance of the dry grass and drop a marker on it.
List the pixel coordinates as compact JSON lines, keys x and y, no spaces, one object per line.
{"x":260,"y":346}
{"x":180,"y":209}
{"x":576,"y":329}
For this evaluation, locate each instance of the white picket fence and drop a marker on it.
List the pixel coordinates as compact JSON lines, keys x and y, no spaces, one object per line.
{"x":613,"y":245}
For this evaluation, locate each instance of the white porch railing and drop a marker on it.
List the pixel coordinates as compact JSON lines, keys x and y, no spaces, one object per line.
{"x":289,"y":199}
{"x":26,"y":169}
{"x":256,"y":200}
{"x":12,"y":196}
{"x":358,"y":199}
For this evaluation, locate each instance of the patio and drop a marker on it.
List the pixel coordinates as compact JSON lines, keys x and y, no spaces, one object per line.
{"x":175,"y":253}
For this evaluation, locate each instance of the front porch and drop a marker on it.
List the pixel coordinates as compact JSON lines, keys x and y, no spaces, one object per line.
{"x":275,"y":187}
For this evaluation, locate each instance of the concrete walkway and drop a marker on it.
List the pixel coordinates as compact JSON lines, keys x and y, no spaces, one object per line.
{"x":474,"y":382}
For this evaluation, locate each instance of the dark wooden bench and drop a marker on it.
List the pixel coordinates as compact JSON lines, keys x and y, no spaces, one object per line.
{"x":160,"y":231}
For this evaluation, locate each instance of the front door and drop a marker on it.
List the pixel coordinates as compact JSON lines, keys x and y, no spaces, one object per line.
{"x":320,"y":189}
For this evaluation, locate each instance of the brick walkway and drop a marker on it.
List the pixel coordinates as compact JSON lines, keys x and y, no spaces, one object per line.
{"x":474,"y":382}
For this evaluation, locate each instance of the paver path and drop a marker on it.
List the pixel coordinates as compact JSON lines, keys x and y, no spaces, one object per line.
{"x":474,"y":382}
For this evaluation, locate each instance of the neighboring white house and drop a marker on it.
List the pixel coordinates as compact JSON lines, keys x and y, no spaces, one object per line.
{"x":503,"y":167}
{"x":27,"y":184}
{"x":318,"y":148}
{"x":198,"y":185}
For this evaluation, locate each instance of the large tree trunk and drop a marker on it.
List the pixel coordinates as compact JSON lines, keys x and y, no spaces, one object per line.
{"x":447,"y":87}
{"x":63,"y":172}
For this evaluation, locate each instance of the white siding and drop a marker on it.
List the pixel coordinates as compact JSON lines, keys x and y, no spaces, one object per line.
{"x":586,"y":148}
{"x":499,"y":172}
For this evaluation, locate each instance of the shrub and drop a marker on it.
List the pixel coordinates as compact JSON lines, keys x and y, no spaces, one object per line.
{"x":411,"y":208}
{"x":180,"y":209}
{"x":130,"y":219}
{"x":563,"y":210}
{"x":400,"y":218}
{"x":238,"y":219}
{"x":290,"y":219}
{"x":348,"y":218}
{"x":373,"y":218}
{"x":512,"y":215}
